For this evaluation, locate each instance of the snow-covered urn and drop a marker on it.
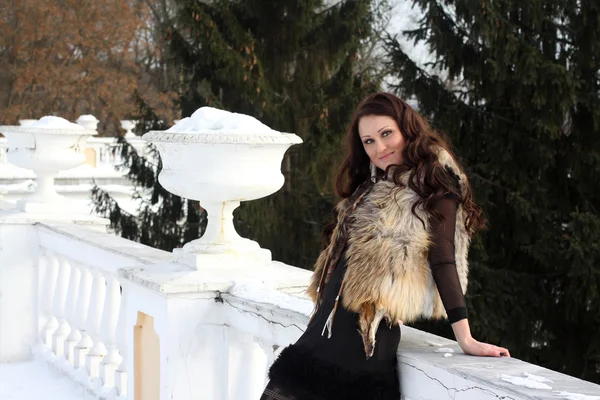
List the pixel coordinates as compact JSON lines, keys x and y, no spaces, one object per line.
{"x":128,"y":125}
{"x":88,"y":122}
{"x":27,"y":122}
{"x":221,"y":158}
{"x":47,"y":146}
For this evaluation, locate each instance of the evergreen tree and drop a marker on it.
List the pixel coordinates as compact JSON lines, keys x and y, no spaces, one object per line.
{"x":298,"y":66}
{"x":163,"y":220}
{"x":519,"y":96}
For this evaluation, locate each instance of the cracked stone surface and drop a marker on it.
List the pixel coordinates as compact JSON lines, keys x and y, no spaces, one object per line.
{"x":426,"y":375}
{"x":269,"y":321}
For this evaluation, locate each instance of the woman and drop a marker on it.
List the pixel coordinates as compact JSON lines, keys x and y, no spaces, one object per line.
{"x":398,"y":252}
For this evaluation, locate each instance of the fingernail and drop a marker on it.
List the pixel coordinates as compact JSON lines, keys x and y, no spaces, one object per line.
{"x":502,"y":354}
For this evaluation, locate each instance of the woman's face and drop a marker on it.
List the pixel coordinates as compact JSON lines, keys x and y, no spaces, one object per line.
{"x":382,"y":140}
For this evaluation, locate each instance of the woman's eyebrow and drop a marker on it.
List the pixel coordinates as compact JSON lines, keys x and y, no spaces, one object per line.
{"x":382,"y":128}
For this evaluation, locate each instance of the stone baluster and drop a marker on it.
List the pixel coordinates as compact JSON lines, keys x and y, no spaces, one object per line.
{"x":60,"y":297}
{"x":269,"y":350}
{"x":71,"y":313}
{"x":48,"y":284}
{"x":98,"y":351}
{"x":247,"y":371}
{"x":108,"y":330}
{"x":83,"y":303}
{"x":104,"y":150}
{"x":99,"y":156}
{"x":122,"y":337}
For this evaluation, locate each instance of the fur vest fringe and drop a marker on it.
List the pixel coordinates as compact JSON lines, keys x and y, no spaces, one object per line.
{"x":388,"y":274}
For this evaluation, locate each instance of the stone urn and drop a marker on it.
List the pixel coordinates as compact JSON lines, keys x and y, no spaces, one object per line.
{"x":27,"y":122}
{"x":88,"y":121}
{"x":129,"y":126}
{"x":221,"y":168}
{"x":48,"y":146}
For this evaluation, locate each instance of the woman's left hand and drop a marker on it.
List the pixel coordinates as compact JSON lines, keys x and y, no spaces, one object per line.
{"x":476,"y":348}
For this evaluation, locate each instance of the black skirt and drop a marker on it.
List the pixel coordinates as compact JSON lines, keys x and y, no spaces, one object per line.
{"x":321,"y":368}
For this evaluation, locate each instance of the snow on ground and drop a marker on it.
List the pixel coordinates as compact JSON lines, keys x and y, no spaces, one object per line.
{"x":36,"y":380}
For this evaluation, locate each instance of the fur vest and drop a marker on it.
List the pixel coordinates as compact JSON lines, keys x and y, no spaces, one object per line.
{"x":388,"y":274}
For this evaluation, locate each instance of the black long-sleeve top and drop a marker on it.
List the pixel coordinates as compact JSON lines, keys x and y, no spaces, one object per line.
{"x":442,"y":260}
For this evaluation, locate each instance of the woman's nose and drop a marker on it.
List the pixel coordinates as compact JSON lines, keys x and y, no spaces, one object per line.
{"x":381,"y":147}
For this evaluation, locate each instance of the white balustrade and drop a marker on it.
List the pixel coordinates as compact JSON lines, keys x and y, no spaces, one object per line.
{"x":122,"y":339}
{"x":248,"y":366}
{"x":83,"y":302}
{"x":48,"y":322}
{"x":108,"y":331}
{"x":82,"y":315}
{"x":59,"y":305}
{"x":260,"y":331}
{"x":98,"y":350}
{"x":80,"y":309}
{"x":234,"y":339}
{"x":108,"y":151}
{"x":81,"y":292}
{"x":269,"y":352}
{"x":71,"y":313}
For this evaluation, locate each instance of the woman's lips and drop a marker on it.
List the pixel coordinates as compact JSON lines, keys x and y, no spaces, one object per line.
{"x":386,"y":156}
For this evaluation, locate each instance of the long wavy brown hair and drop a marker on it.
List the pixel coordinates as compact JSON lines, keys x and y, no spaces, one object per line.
{"x":427,"y":177}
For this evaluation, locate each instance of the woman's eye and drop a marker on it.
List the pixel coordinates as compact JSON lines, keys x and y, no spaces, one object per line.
{"x":386,"y":133}
{"x":368,"y":141}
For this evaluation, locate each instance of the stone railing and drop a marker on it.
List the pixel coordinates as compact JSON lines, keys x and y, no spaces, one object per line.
{"x":120,"y":317}
{"x":126,"y":321}
{"x":81,"y":311}
{"x":106,"y":152}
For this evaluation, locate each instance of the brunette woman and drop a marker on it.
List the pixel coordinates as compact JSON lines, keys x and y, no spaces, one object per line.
{"x":398,"y":252}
